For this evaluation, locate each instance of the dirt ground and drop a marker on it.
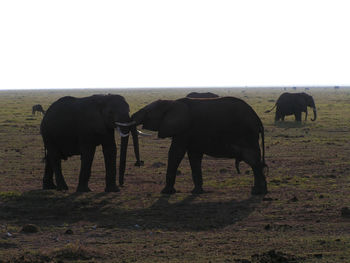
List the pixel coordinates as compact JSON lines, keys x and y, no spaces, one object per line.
{"x":305,"y":217}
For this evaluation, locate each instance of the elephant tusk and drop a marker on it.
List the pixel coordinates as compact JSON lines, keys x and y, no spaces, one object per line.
{"x":143,"y":134}
{"x":125,"y":124}
{"x":121,"y":133}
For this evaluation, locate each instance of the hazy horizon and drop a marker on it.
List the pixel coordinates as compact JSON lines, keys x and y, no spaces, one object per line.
{"x":300,"y":88}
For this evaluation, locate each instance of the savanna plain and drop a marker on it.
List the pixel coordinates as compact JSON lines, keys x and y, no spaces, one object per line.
{"x":304,"y":217}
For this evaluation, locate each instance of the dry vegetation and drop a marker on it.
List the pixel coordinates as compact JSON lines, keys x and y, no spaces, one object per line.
{"x":304,"y":217}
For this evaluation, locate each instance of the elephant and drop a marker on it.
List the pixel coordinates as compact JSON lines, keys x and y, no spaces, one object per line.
{"x":75,"y":126}
{"x":37,"y":108}
{"x":224,"y":127}
{"x":202,"y":95}
{"x":293,"y":103}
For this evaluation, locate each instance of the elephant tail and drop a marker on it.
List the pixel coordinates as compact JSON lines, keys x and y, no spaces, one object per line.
{"x":45,"y":154}
{"x":271,"y":109}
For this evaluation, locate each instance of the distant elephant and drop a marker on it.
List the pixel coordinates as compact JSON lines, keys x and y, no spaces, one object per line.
{"x":224,"y":127}
{"x":37,"y":108}
{"x":202,"y":95}
{"x":293,"y":104}
{"x":75,"y":126}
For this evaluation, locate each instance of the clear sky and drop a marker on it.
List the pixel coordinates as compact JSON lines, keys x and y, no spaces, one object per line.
{"x":182,"y":43}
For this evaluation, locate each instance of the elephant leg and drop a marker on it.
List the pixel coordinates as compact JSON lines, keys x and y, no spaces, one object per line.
{"x":260,"y":185}
{"x":109,"y":149}
{"x":86,"y":158}
{"x":297,"y":116}
{"x":253,"y":158}
{"x":237,"y":166}
{"x":176,"y":153}
{"x":196,"y":167}
{"x":48,"y":177}
{"x":55,"y":163}
{"x":279,"y":115}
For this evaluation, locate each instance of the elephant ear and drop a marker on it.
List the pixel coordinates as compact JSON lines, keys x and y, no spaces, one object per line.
{"x":301,"y":101}
{"x":175,"y":121}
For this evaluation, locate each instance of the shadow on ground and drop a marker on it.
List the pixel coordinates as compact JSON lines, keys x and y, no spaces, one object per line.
{"x":47,"y":208}
{"x":290,"y":124}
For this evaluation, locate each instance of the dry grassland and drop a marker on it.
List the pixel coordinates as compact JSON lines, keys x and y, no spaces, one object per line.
{"x":304,"y":217}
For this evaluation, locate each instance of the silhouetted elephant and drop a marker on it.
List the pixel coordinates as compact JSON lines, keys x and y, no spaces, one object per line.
{"x":75,"y":126}
{"x":220,"y":127}
{"x":37,"y":108}
{"x":202,"y":95}
{"x":293,"y":104}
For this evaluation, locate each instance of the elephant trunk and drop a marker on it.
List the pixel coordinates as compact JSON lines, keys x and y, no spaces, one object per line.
{"x":135,"y":140}
{"x":315,"y":114}
{"x":123,"y":150}
{"x":132,"y":127}
{"x":138,"y":117}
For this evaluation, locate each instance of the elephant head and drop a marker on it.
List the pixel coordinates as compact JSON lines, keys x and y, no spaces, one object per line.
{"x":169,"y":118}
{"x":115,"y":111}
{"x":309,"y":101}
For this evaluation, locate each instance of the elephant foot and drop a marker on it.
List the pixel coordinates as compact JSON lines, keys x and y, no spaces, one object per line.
{"x":121,"y":181}
{"x":197,"y":191}
{"x":259,"y":190}
{"x":49,"y":186}
{"x":83,"y":189}
{"x":168,"y":190}
{"x":112,"y":189}
{"x":139,"y":163}
{"x":62,"y":187}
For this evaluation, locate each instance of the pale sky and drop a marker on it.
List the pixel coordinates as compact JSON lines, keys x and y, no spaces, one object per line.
{"x":182,"y":43}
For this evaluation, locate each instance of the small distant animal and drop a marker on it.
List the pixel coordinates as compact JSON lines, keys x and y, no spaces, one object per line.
{"x":336,"y":87}
{"x":37,"y":108}
{"x":307,"y":88}
{"x":293,"y":104}
{"x":202,"y":95}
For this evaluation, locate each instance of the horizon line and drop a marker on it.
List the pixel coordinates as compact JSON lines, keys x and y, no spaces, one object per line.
{"x":191,"y":87}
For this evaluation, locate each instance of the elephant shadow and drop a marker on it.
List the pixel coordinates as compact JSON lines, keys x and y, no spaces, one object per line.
{"x":290,"y":124}
{"x":105,"y":210}
{"x":196,"y":216}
